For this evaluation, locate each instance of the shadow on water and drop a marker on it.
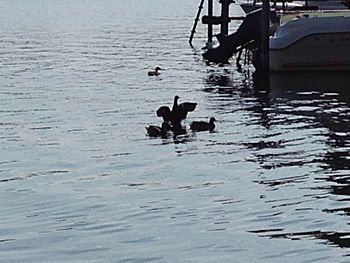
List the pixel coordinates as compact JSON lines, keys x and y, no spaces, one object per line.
{"x":316,"y":102}
{"x":326,"y":98}
{"x":335,"y":238}
{"x":333,"y":82}
{"x":224,"y":82}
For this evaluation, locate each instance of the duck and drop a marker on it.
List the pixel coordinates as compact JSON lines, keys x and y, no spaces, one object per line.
{"x":156,"y":131}
{"x":177,"y":113}
{"x":154,"y":72}
{"x":180,"y":110}
{"x":203,"y":125}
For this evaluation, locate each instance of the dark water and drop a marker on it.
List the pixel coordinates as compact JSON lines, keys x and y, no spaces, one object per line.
{"x":80,"y":181}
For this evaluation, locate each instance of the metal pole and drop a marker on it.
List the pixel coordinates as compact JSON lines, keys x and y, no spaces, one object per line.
{"x":196,"y":22}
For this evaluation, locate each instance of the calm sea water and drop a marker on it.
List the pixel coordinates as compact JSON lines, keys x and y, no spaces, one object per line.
{"x":80,"y":181}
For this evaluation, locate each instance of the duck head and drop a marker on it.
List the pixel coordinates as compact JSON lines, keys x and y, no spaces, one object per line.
{"x":164,"y":112}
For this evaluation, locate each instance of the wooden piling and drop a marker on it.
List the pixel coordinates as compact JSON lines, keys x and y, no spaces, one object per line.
{"x":210,"y":26}
{"x":225,"y":16}
{"x":265,"y":45}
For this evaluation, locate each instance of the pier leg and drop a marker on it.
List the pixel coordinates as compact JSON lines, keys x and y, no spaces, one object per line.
{"x":210,"y":26}
{"x":265,"y":45}
{"x":225,"y":16}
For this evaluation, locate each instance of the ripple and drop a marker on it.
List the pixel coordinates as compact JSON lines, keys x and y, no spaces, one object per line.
{"x":287,"y":180}
{"x":140,"y":260}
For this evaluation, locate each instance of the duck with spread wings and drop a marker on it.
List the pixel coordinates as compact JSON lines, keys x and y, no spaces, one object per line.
{"x":177,"y":113}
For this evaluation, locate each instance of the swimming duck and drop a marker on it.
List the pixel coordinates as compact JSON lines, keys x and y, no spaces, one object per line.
{"x":177,"y":113}
{"x":156,"y":131}
{"x":154,"y":72}
{"x":203,"y":125}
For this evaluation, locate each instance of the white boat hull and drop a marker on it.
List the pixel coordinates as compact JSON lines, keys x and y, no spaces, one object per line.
{"x":312,"y":44}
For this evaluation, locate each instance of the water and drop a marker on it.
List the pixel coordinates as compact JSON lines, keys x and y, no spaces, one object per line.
{"x":81,"y":181}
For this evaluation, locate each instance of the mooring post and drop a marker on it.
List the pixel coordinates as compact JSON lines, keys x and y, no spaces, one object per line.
{"x":210,"y":26}
{"x":265,"y":36}
{"x":225,"y":16}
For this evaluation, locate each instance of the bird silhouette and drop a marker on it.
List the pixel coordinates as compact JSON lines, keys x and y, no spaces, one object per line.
{"x":177,"y":113}
{"x":203,"y":125}
{"x":156,"y":131}
{"x":154,"y":72}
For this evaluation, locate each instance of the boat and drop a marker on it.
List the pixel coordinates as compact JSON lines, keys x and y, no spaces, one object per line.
{"x":314,"y":37}
{"x":278,"y":5}
{"x":311,"y":41}
{"x":311,"y":36}
{"x":286,"y":5}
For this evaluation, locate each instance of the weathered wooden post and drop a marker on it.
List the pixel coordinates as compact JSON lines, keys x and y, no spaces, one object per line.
{"x":264,"y":71}
{"x":210,"y":26}
{"x":225,"y":15}
{"x":224,"y":19}
{"x":265,"y":25}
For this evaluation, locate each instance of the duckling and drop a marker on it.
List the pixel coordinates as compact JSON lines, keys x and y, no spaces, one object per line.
{"x":156,"y":131}
{"x":154,"y":72}
{"x":203,"y":125}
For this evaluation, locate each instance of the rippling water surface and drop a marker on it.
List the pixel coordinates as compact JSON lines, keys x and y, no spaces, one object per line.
{"x":80,"y":181}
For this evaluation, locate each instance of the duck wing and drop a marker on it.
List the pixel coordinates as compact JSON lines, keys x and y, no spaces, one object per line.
{"x":185,"y":108}
{"x":164,"y":112}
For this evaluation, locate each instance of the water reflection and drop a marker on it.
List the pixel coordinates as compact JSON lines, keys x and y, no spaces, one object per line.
{"x":325,"y":82}
{"x":317,"y":104}
{"x":220,"y":78}
{"x":183,"y":136}
{"x":324,"y":99}
{"x":341,"y":239}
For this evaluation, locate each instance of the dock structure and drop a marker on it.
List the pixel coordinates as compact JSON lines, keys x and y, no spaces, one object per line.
{"x":302,"y":38}
{"x":225,"y":15}
{"x":252,"y":35}
{"x":223,"y":20}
